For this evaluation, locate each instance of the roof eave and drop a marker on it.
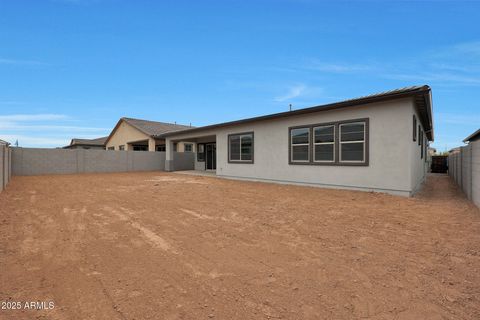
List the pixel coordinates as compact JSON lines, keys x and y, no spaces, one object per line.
{"x":425,"y":90}
{"x":472,"y":136}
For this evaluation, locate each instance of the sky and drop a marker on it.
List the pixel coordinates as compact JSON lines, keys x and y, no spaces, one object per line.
{"x":72,"y":68}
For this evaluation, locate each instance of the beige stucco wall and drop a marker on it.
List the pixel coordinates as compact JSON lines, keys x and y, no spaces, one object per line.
{"x":391,"y":151}
{"x":419,"y":167}
{"x":125,"y":134}
{"x":181,"y":146}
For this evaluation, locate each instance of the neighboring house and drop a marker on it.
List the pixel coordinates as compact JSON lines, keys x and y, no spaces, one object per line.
{"x":143,"y":135}
{"x":454,"y":150}
{"x":98,"y":143}
{"x":374,"y":143}
{"x":473,"y":137}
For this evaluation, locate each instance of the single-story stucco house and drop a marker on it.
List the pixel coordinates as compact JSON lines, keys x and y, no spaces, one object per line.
{"x":374,"y":143}
{"x":98,"y":143}
{"x":144,"y":135}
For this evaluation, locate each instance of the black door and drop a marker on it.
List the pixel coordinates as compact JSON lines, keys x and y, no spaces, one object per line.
{"x":211,"y":156}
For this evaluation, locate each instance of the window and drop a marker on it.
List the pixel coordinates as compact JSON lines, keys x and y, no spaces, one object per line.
{"x":300,"y":144}
{"x":122,"y":147}
{"x":240,"y":147}
{"x":139,"y":147}
{"x":324,"y":144}
{"x":420,"y":139}
{"x":200,"y":152}
{"x":352,"y":142}
{"x":188,"y":147}
{"x":111,"y":148}
{"x":419,"y":135}
{"x":426,"y":148}
{"x":414,"y":128}
{"x":174,"y":147}
{"x":160,"y":148}
{"x":335,"y":143}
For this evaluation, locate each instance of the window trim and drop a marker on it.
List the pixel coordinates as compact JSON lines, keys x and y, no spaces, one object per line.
{"x":364,"y":163}
{"x":347,"y":142}
{"x":324,"y":143}
{"x":253,"y":147}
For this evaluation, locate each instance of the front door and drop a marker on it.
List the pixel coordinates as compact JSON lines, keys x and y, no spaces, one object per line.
{"x":211,"y":156}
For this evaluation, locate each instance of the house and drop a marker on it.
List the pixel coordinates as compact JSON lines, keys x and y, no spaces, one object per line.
{"x":473,"y":137}
{"x":98,"y":143}
{"x":144,"y":135}
{"x":374,"y":143}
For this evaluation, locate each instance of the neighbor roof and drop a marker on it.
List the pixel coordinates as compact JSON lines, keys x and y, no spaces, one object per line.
{"x":90,"y":142}
{"x":153,"y":129}
{"x":4,"y":142}
{"x":87,"y":142}
{"x":421,"y":95}
{"x":474,"y":136}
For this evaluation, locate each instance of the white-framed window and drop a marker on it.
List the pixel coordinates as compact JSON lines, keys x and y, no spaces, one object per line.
{"x":188,"y":147}
{"x":200,"y":152}
{"x":324,"y":143}
{"x":300,"y":144}
{"x":352,"y":138}
{"x":122,"y":147}
{"x":240,"y":147}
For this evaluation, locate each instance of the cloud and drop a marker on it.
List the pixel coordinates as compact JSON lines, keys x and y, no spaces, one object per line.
{"x":33,"y":117}
{"x":44,"y":130}
{"x":457,"y":119}
{"x":441,"y":78}
{"x":13,"y":126}
{"x":35,"y":141}
{"x":471,"y":48}
{"x":337,"y":67}
{"x":21,"y":62}
{"x":293,"y":92}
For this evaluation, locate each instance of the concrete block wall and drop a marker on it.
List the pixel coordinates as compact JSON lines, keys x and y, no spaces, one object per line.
{"x":5,"y":166}
{"x":36,"y":161}
{"x":464,"y":168}
{"x":183,"y":161}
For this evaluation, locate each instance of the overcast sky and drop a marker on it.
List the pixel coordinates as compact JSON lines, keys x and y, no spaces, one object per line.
{"x":72,"y":68}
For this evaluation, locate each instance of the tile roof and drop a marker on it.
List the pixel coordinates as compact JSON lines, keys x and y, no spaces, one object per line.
{"x":154,"y":128}
{"x":90,"y":142}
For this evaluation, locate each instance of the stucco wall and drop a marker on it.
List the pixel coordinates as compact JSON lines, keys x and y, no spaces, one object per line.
{"x":390,"y":148}
{"x":34,"y":161}
{"x":475,"y":145}
{"x":124,"y":134}
{"x":419,"y":165}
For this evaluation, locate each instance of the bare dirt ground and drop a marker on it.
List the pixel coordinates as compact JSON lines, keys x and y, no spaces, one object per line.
{"x":169,"y":246}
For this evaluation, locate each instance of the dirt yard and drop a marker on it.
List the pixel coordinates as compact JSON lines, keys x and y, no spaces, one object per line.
{"x":170,"y":246}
